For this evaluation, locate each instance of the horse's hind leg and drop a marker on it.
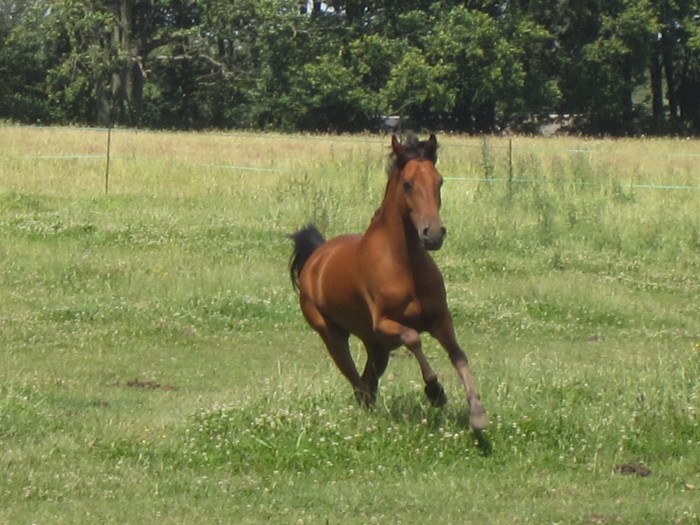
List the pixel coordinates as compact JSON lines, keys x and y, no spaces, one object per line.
{"x":377,"y":361}
{"x":336,"y":340}
{"x":337,"y":343}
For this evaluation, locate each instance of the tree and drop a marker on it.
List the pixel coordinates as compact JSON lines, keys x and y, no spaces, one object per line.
{"x":250,"y":54}
{"x":690,"y":81}
{"x":615,"y":63}
{"x":24,"y":61}
{"x":677,"y":54}
{"x":97,"y":52}
{"x":489,"y":58}
{"x":475,"y":65}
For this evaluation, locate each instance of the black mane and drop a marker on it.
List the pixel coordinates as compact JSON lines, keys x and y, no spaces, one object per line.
{"x":413,"y":148}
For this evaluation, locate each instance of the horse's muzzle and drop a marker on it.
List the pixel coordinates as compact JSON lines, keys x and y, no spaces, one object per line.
{"x":432,"y":238}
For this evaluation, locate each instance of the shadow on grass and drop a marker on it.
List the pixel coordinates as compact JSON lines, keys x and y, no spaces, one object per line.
{"x":408,"y":407}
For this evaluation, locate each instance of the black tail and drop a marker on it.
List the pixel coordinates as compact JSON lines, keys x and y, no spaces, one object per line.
{"x":306,"y":241}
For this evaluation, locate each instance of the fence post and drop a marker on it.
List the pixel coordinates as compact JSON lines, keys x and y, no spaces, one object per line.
{"x":510,"y":167}
{"x":510,"y":160}
{"x":109,"y":146}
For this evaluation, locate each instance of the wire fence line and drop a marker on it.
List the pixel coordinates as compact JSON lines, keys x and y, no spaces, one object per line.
{"x":488,"y":180}
{"x":496,"y":143}
{"x":381,"y":139}
{"x":574,"y":182}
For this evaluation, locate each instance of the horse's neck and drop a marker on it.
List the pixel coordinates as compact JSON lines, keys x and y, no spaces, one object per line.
{"x":398,"y":234}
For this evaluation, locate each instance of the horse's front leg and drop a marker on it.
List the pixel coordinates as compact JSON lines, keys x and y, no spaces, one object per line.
{"x":444,"y":333}
{"x":395,"y":334}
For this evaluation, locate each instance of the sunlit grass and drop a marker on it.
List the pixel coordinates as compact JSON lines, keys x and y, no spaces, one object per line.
{"x":153,"y":351}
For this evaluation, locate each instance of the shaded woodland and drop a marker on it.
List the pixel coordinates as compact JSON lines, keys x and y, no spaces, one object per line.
{"x":615,"y":67}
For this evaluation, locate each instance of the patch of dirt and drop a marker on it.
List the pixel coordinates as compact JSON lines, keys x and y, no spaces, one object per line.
{"x":601,"y":519}
{"x":633,"y":469}
{"x":149,"y":385}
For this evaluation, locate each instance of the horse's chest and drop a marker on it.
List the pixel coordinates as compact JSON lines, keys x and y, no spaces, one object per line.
{"x":409,"y":309}
{"x":404,"y":298}
{"x":413,"y":309}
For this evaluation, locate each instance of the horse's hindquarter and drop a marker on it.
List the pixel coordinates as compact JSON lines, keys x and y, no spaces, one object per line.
{"x":330,"y":285}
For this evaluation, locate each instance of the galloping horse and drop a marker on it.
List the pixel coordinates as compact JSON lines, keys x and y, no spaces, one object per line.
{"x":384,"y":286}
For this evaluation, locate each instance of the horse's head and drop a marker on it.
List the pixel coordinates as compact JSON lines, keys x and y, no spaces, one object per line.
{"x":418,"y":183}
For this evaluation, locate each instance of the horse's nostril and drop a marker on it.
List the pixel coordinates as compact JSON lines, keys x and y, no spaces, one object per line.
{"x":426,"y":231}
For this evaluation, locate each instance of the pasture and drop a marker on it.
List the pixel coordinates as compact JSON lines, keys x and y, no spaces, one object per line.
{"x":155,"y":367}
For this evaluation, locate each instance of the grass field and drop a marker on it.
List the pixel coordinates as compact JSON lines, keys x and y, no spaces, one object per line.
{"x":155,"y":368}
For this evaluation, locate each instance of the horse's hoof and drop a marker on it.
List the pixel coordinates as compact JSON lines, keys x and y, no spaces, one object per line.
{"x":436,"y":393}
{"x":365,"y":399}
{"x":478,"y":418}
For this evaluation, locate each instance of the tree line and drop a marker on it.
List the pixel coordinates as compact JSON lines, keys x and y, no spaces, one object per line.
{"x":619,"y":66}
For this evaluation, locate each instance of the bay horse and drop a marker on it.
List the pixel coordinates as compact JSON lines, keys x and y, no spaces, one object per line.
{"x":383,"y":286}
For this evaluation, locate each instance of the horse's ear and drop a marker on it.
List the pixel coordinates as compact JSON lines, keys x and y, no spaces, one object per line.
{"x":431,"y":146}
{"x":396,"y":146}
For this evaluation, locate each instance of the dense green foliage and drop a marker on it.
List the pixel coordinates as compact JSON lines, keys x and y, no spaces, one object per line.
{"x":628,"y":66}
{"x":155,"y":366}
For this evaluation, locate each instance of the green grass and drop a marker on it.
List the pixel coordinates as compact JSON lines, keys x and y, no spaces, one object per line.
{"x":154,"y":365}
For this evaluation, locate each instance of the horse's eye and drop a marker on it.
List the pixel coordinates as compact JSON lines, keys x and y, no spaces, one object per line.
{"x":407,"y":185}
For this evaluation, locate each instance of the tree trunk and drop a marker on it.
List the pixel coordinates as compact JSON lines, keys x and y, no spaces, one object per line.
{"x":102,"y":105}
{"x":688,"y":97}
{"x":669,"y":70}
{"x":127,"y":84}
{"x":485,"y":118}
{"x":657,"y":96}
